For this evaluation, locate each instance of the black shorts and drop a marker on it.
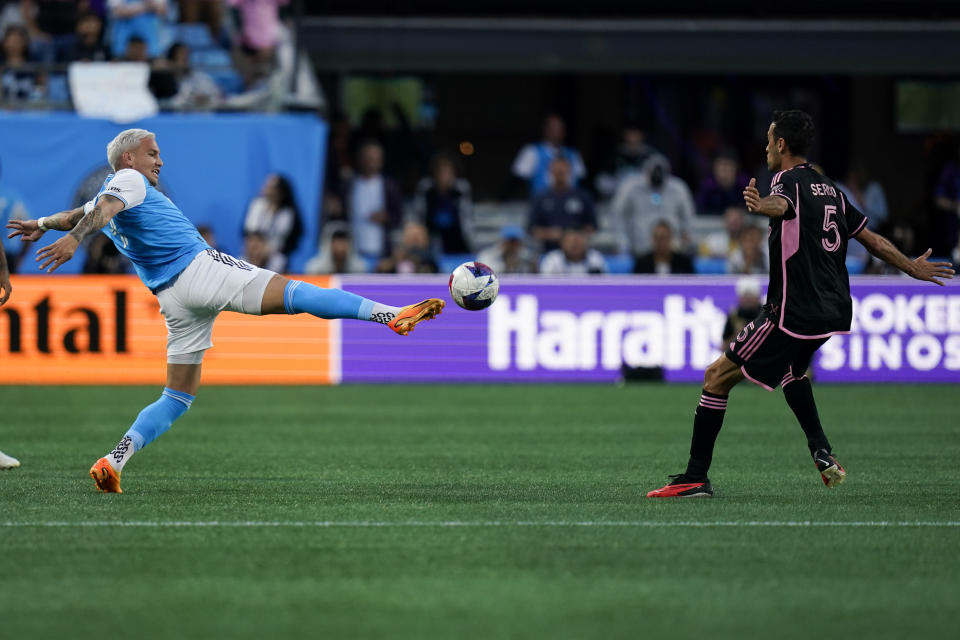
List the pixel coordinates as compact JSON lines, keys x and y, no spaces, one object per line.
{"x":768,"y":356}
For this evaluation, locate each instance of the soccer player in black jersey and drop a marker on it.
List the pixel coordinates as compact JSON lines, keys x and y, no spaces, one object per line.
{"x":808,"y":300}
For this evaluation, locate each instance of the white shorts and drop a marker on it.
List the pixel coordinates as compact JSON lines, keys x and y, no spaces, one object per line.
{"x":211,"y":283}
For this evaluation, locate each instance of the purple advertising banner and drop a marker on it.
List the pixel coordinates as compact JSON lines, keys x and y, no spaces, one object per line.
{"x":586,"y":329}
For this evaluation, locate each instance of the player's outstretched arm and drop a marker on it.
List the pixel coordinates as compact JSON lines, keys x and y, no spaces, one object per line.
{"x":56,"y":254}
{"x":33,"y":230}
{"x":918,"y":268}
{"x":771,"y":206}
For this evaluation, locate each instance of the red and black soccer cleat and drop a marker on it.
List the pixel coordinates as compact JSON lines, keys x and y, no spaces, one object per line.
{"x":830,"y":470}
{"x":680,"y":486}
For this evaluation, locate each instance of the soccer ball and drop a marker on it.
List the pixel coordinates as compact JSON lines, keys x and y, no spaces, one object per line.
{"x":474,"y":286}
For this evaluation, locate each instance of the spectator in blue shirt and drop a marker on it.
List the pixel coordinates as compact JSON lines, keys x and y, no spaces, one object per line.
{"x":533,"y":161}
{"x":562,"y":206}
{"x":136,"y":18}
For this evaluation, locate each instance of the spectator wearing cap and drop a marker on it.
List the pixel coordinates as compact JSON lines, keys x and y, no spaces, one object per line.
{"x":562,"y":206}
{"x":573,"y":258}
{"x":511,"y":254}
{"x":747,"y":309}
{"x":443,"y":204}
{"x":533,"y":162}
{"x":663,"y":260}
{"x":336,"y":254}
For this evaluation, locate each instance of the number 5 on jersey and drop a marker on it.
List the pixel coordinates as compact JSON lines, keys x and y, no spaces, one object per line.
{"x":831,"y":240}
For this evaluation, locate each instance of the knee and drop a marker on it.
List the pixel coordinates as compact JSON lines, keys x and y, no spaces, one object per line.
{"x":716,"y":379}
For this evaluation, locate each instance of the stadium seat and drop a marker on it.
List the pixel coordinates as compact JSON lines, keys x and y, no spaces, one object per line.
{"x":855,"y":266}
{"x":709,"y":266}
{"x":210,"y":58}
{"x":57,"y":88}
{"x":620,"y":263}
{"x":229,"y":81}
{"x":451,"y":261}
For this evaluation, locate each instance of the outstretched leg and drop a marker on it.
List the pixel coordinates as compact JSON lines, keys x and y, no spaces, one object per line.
{"x":719,"y":378}
{"x":295,"y":296}
{"x":798,"y":393}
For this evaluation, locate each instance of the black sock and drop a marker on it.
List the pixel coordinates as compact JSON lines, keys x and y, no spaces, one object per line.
{"x":706,"y":426}
{"x":799,"y":395}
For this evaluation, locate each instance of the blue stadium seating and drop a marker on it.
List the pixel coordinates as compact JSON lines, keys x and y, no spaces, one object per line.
{"x":195,"y":35}
{"x":622,"y":263}
{"x":709,"y":266}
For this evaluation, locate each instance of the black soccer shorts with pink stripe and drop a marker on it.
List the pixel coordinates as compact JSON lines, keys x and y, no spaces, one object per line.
{"x":766,"y":355}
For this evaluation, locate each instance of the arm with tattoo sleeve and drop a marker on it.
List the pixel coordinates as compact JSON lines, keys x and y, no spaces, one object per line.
{"x":62,"y":250}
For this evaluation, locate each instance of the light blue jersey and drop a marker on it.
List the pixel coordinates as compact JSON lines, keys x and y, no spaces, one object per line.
{"x":150,"y":230}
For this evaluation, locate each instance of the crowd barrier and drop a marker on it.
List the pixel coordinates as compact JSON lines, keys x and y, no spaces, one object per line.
{"x":108,"y":330}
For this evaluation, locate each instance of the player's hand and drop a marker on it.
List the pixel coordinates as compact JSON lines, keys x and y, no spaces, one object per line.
{"x":54,"y":255}
{"x":751,"y":196}
{"x":28,"y":230}
{"x":5,"y":288}
{"x":930,"y":271}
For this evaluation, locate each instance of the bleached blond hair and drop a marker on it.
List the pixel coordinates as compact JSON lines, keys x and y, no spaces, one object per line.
{"x":125,"y":141}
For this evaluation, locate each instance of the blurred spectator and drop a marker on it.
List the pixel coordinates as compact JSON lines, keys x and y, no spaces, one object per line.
{"x":209,"y":12}
{"x":275,"y":215}
{"x":103,"y":257}
{"x":88,"y":44}
{"x":336,"y":254}
{"x":141,"y":18}
{"x":186,"y":88}
{"x":573,"y":258}
{"x":10,"y":14}
{"x":533,"y":161}
{"x":947,"y":199}
{"x":339,"y":165}
{"x":52,"y":25}
{"x":724,"y":188}
{"x":413,"y":255}
{"x":560,"y":207}
{"x":648,"y":197}
{"x":136,"y":50}
{"x":751,"y":256}
{"x":371,"y":202}
{"x":256,"y":250}
{"x":510,"y":255}
{"x":12,"y":207}
{"x":206,"y":232}
{"x":260,"y":23}
{"x":443,"y":204}
{"x":865,"y":194}
{"x":663,"y":259}
{"x":721,"y":244}
{"x":747,"y":309}
{"x":19,"y":83}
{"x":631,"y":154}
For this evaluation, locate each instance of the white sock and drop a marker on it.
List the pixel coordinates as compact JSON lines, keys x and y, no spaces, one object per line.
{"x":121,"y":453}
{"x":383,"y":313}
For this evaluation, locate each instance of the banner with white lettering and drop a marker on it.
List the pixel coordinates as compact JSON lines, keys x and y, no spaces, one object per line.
{"x":588,"y":329}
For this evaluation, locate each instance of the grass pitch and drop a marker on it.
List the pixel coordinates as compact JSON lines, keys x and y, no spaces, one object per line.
{"x":477,"y":511}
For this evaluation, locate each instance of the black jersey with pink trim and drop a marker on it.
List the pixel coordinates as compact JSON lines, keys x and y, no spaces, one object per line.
{"x":809,"y":283}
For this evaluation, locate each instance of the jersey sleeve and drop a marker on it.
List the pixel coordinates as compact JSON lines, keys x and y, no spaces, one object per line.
{"x":855,"y":220}
{"x":784,"y":186}
{"x":126,"y":186}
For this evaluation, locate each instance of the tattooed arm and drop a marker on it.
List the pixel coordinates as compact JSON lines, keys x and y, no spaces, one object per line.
{"x":62,"y":250}
{"x":31,"y":230}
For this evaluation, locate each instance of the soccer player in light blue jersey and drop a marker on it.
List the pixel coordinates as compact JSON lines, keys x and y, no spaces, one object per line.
{"x":192,"y":282}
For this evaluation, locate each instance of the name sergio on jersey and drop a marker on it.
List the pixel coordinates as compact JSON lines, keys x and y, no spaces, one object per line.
{"x":823,"y":190}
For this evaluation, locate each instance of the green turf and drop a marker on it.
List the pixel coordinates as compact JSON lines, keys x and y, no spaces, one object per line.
{"x":473,"y":454}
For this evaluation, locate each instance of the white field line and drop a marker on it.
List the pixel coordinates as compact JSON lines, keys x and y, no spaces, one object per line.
{"x":486,"y":524}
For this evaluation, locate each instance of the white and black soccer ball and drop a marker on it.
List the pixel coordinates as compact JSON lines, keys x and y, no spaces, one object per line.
{"x":474,"y":286}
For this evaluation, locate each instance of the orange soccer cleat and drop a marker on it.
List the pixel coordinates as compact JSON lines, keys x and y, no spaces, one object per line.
{"x":108,"y":480}
{"x":413,"y":314}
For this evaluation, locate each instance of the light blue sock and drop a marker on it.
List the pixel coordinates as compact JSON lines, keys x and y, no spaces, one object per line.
{"x":303,"y":297}
{"x":155,"y":419}
{"x":152,"y":422}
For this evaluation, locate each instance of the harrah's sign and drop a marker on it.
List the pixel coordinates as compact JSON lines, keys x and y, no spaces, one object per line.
{"x":682,"y":334}
{"x":585,"y":329}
